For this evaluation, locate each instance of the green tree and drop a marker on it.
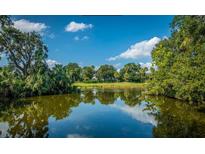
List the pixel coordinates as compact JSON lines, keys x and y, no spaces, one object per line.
{"x":5,"y":21}
{"x":25,"y":51}
{"x":60,"y":81}
{"x":106,"y":73}
{"x":88,"y":73}
{"x":10,"y":84}
{"x":27,"y":73}
{"x":73,"y":71}
{"x":143,"y":74}
{"x":130,"y":72}
{"x":117,"y":76}
{"x":180,"y":61}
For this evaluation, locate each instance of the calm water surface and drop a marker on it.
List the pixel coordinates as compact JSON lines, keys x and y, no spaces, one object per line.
{"x":101,"y":113}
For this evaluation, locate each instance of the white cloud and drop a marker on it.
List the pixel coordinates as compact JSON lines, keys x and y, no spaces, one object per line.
{"x":139,"y":49}
{"x":148,"y":65}
{"x":51,"y":36}
{"x":77,"y":38}
{"x":118,"y":65}
{"x":51,"y":63}
{"x":85,"y":38}
{"x":74,"y":26}
{"x":165,"y":37}
{"x":27,"y":26}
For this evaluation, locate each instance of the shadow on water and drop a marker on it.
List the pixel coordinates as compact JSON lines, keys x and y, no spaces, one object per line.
{"x":101,"y":113}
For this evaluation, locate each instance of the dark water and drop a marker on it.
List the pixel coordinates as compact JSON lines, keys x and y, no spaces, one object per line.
{"x":101,"y":113}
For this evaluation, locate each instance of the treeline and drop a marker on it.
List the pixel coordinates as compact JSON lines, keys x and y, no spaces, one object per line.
{"x":28,"y":74}
{"x":180,"y":61}
{"x":131,"y":72}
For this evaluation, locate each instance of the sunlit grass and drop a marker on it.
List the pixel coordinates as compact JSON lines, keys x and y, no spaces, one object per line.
{"x":115,"y":85}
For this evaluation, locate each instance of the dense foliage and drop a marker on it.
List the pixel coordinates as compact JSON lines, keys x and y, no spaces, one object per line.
{"x":27,"y":72}
{"x":106,"y":73}
{"x":88,"y":73}
{"x":180,"y":61}
{"x":133,"y":73}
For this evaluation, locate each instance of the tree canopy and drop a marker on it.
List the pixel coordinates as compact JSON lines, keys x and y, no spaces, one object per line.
{"x":132,"y":72}
{"x":180,"y":61}
{"x":88,"y":73}
{"x":106,"y":73}
{"x":73,"y":71}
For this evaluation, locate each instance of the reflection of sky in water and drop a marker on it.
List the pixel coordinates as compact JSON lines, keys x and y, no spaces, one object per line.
{"x":4,"y":126}
{"x":137,"y":112}
{"x":115,"y":120}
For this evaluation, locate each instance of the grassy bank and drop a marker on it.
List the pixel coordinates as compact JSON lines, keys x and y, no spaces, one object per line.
{"x":116,"y":85}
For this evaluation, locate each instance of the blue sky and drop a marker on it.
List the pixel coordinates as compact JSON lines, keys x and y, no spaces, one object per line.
{"x":97,"y":40}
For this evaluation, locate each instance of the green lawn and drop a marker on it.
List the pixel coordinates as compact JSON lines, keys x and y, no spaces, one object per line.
{"x":116,"y":85}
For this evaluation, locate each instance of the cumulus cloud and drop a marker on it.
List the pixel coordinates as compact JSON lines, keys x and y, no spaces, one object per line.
{"x":74,"y":26}
{"x":51,"y":63}
{"x":27,"y":26}
{"x":139,"y":49}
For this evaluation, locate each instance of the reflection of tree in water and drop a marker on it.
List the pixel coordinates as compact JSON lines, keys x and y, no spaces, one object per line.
{"x":131,"y":97}
{"x":106,"y":97}
{"x":29,"y":117}
{"x":28,"y":121}
{"x":88,"y":96}
{"x":31,"y":120}
{"x":177,"y":119}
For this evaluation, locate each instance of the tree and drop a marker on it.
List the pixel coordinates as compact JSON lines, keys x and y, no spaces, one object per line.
{"x":130,"y":72}
{"x":25,"y":51}
{"x":5,"y":21}
{"x":10,"y":84}
{"x":27,"y":73}
{"x":88,"y":73}
{"x":106,"y":73}
{"x":39,"y":83}
{"x":73,"y":71}
{"x":180,"y":61}
{"x":143,"y":74}
{"x":117,"y":76}
{"x":59,"y":80}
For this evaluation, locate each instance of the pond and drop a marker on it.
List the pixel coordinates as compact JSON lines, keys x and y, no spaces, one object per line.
{"x":101,"y":113}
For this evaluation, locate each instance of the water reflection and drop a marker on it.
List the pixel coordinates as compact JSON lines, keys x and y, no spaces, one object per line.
{"x":100,"y":113}
{"x":177,"y":119}
{"x":139,"y":113}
